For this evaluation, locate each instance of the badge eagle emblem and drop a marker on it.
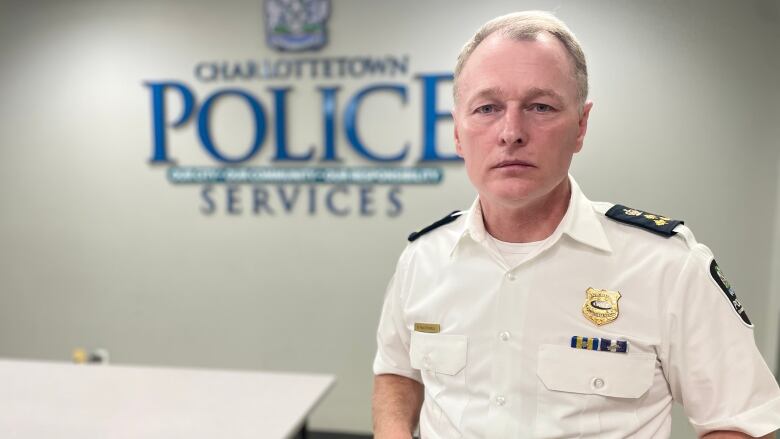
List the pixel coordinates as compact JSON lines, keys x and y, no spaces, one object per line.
{"x":601,"y":306}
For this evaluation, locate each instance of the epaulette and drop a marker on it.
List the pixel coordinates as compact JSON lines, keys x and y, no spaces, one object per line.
{"x":661,"y":225}
{"x":446,"y":220}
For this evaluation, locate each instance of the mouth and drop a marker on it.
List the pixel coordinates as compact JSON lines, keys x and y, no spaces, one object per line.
{"x":514,"y":164}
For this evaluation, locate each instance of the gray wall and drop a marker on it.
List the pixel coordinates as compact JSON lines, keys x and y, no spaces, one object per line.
{"x":772,"y":341}
{"x":772,"y":345}
{"x":98,"y":250}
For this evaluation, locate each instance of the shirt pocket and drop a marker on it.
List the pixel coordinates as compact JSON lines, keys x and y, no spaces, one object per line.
{"x":442,"y":359}
{"x":590,"y":392}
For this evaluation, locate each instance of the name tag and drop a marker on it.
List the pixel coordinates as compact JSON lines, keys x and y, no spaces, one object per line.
{"x":431,"y":328}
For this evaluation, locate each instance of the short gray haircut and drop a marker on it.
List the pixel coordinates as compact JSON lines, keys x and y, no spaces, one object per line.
{"x":526,"y":26}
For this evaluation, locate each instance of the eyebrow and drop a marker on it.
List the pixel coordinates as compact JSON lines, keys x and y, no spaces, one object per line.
{"x":534,"y":92}
{"x":490,"y":92}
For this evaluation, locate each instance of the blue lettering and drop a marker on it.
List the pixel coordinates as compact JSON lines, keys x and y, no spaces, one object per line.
{"x":260,"y":200}
{"x":375,"y":66}
{"x":209,"y":207}
{"x":431,"y":115}
{"x":399,"y":65}
{"x":233,"y":201}
{"x":312,"y":200}
{"x":205,"y":135}
{"x":206,"y":72}
{"x":329,"y":201}
{"x":280,"y":108}
{"x":159,"y":152}
{"x":288,"y":201}
{"x":350,"y":122}
{"x":329,"y":123}
{"x":392,"y":197}
{"x":236,"y":71}
{"x":367,"y":201}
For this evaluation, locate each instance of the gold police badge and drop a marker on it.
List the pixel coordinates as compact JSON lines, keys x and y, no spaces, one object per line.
{"x":601,"y":306}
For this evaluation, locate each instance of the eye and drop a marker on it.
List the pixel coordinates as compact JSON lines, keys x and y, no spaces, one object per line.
{"x":485,"y":109}
{"x":541,"y":108}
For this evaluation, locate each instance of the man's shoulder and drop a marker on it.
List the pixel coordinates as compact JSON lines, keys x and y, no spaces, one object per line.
{"x":438,"y":236}
{"x":438,"y":224}
{"x":657,"y":230}
{"x":658,"y":224}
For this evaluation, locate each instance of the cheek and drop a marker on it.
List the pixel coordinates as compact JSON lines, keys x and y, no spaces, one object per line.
{"x":475,"y":160}
{"x":473,"y":143}
{"x":562,"y":134}
{"x":478,"y":127}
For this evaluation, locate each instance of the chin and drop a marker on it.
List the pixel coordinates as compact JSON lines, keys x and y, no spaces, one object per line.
{"x":513,"y":193}
{"x":517,"y":190}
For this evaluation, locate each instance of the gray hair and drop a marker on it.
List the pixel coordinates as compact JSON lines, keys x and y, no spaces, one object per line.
{"x":526,"y":26}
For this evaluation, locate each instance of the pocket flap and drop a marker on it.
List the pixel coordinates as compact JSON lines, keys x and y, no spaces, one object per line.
{"x":442,"y":353}
{"x":564,"y":369}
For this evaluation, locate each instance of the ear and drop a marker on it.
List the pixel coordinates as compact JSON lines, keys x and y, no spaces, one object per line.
{"x":583,"y":125}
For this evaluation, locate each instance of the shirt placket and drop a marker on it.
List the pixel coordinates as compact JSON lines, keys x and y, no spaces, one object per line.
{"x":506,"y":404}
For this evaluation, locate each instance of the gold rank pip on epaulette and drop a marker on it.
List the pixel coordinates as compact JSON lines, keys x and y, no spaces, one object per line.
{"x":658,"y":224}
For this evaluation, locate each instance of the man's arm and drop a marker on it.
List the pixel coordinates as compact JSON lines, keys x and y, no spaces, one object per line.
{"x":396,"y":406}
{"x":733,"y":435}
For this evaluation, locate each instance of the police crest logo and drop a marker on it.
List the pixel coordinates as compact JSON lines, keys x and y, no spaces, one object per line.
{"x":725,"y":286}
{"x":296,"y":25}
{"x":723,"y":280}
{"x":601,"y":306}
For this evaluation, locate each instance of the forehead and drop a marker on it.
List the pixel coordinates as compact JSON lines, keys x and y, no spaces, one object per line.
{"x":516,"y":66}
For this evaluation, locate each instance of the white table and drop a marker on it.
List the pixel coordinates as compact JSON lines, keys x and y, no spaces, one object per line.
{"x":67,"y":401}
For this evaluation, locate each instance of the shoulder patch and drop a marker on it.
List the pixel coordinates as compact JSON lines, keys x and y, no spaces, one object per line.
{"x":655,"y":223}
{"x":720,"y":279}
{"x":446,"y":220}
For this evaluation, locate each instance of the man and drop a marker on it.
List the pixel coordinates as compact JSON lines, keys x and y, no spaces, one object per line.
{"x":538,"y":313}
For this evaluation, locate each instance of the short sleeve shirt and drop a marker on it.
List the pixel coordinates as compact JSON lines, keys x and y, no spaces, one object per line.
{"x":510,"y":351}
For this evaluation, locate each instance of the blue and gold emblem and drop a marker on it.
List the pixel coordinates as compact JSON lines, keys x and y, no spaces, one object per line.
{"x":619,"y":346}
{"x":601,"y":306}
{"x":599,"y":344}
{"x":662,"y":225}
{"x":589,"y":343}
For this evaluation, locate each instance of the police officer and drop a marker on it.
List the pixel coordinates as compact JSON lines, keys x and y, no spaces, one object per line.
{"x":539,"y":313}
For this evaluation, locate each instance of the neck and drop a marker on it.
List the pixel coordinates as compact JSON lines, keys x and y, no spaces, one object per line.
{"x":532,"y":221}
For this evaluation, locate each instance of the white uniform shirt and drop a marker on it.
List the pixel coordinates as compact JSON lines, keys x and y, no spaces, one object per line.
{"x":502,"y":366}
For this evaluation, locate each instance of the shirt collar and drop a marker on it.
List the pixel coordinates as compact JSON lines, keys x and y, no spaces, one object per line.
{"x":581,"y":222}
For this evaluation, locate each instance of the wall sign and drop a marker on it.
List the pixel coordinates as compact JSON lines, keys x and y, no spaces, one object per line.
{"x":308,"y":180}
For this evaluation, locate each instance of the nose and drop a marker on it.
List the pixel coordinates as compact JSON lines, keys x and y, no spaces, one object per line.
{"x":513,"y":132}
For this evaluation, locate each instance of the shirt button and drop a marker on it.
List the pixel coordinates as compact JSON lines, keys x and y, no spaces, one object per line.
{"x":504,"y":336}
{"x":510,"y":276}
{"x":598,"y":383}
{"x":500,"y":400}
